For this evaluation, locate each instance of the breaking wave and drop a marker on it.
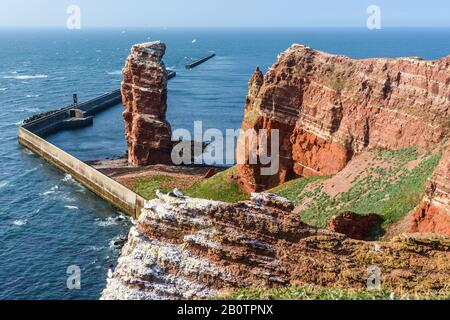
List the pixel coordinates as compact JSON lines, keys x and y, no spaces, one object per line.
{"x":110,"y":221}
{"x":68,"y":178}
{"x":20,"y":222}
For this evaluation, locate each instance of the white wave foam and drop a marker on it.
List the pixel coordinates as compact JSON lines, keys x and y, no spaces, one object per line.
{"x":33,"y":95}
{"x":20,"y":222}
{"x":27,"y":77}
{"x":115,"y":73}
{"x":3,"y":89}
{"x":32,"y":110}
{"x":71,"y":207}
{"x":95,"y":248}
{"x":121,"y":217}
{"x":107,"y":222}
{"x":51,"y":191}
{"x":68,"y":178}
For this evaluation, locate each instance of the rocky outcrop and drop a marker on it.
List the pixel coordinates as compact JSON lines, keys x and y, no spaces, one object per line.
{"x":144,"y":95}
{"x":433,"y":213}
{"x":184,"y":248}
{"x":353,"y":225}
{"x":329,"y":107}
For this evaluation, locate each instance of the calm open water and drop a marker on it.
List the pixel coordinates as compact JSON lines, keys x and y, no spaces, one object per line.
{"x":49,"y":222}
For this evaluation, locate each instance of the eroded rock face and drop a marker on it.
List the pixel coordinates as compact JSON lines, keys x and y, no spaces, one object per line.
{"x":330,"y":107}
{"x":433,"y":213}
{"x":144,"y":95}
{"x":184,"y":248}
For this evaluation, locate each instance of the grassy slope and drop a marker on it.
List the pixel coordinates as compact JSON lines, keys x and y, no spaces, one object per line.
{"x":292,"y":189}
{"x":319,"y":293}
{"x":220,"y":187}
{"x":147,"y":187}
{"x":390,"y":193}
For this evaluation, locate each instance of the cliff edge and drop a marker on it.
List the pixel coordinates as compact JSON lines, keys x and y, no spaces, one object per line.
{"x":185,"y":248}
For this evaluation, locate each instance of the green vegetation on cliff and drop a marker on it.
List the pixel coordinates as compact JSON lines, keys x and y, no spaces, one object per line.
{"x":391,"y":185}
{"x":221,"y":187}
{"x":319,"y":293}
{"x":147,"y":187}
{"x":292,"y":189}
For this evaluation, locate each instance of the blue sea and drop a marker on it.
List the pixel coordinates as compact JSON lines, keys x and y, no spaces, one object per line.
{"x":48,"y":221}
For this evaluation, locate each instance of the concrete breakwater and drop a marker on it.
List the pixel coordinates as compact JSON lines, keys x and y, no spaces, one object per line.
{"x":199,"y":61}
{"x":73,"y":116}
{"x":31,"y":136}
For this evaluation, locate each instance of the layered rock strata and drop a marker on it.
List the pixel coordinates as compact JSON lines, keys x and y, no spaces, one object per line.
{"x":144,"y":95}
{"x":329,"y":107}
{"x":184,"y":248}
{"x":433,"y":213}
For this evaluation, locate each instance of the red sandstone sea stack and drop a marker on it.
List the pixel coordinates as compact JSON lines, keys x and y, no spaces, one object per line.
{"x":329,"y":108}
{"x":144,"y":95}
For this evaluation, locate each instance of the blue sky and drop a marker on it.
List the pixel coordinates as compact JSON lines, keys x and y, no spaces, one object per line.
{"x":225,"y":13}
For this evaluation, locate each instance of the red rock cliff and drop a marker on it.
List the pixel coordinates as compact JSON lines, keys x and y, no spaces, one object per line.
{"x":329,"y":107}
{"x":433,"y":213}
{"x":144,"y":95}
